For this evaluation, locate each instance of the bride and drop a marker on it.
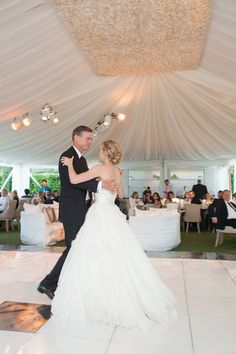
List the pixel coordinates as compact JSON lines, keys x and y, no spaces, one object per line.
{"x":107,"y":276}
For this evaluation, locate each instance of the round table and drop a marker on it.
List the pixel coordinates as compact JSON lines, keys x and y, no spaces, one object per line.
{"x":156,"y":229}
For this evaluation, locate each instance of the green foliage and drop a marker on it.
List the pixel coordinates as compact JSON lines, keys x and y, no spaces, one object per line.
{"x":51,"y":175}
{"x":4,"y":172}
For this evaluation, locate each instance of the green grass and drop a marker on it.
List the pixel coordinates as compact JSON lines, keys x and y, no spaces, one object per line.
{"x":205,"y":242}
{"x":10,"y":238}
{"x":13,"y":238}
{"x":192,"y":242}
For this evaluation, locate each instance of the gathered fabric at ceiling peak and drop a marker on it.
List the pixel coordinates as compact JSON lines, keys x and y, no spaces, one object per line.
{"x":132,"y":37}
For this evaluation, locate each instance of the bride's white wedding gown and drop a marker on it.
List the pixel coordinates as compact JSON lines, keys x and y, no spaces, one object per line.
{"x":107,"y":277}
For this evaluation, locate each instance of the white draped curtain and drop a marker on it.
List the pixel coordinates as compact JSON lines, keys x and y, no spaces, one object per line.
{"x":185,"y":115}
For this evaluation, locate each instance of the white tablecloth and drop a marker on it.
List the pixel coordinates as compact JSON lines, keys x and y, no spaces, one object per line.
{"x":156,"y":230}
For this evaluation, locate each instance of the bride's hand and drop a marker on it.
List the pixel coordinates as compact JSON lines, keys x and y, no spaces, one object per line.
{"x":109,"y":185}
{"x":67,"y":161}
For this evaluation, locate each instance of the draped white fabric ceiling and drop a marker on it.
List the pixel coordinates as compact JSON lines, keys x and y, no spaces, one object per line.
{"x":182,"y":115}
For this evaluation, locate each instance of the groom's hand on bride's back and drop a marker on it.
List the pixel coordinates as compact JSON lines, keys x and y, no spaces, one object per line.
{"x":109,"y":185}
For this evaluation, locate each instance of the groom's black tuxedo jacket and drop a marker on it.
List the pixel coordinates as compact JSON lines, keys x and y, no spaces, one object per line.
{"x":72,"y":208}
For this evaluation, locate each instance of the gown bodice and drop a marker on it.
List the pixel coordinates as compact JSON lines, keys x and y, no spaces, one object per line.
{"x":105,"y":196}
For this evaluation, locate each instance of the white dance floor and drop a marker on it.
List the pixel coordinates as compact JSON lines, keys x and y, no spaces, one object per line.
{"x":205,"y":291}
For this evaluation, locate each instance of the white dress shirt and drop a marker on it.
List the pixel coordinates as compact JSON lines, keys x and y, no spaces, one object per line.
{"x":99,"y":187}
{"x":231,"y":211}
{"x":4,"y":203}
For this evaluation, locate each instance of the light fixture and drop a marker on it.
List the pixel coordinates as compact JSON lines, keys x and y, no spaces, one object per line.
{"x":55,"y":120}
{"x":23,"y":121}
{"x":107,"y":119}
{"x":105,"y":122}
{"x":16,"y":124}
{"x":46,"y":109}
{"x":48,"y":113}
{"x":121,"y":116}
{"x":118,"y":116}
{"x":26,"y":119}
{"x":44,"y":118}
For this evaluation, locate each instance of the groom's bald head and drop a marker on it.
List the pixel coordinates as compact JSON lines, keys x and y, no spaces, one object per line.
{"x":82,"y":137}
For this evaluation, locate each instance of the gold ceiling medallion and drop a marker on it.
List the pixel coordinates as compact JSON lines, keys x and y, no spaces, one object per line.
{"x":130,"y":37}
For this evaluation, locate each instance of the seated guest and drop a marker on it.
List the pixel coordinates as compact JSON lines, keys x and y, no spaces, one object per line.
{"x":188,"y":196}
{"x":195,"y":200}
{"x":40,"y":198}
{"x":134,"y":202}
{"x":37,"y":198}
{"x":200,"y":191}
{"x":215,"y":201}
{"x":156,"y":199}
{"x":167,"y":188}
{"x":225,"y":212}
{"x":15,"y":197}
{"x":55,"y":196}
{"x":134,"y":199}
{"x":169,"y":198}
{"x":4,"y":200}
{"x":213,"y":205}
{"x":44,"y":187}
{"x":148,"y":190}
{"x":147,"y":198}
{"x":27,"y":194}
{"x":209,"y":198}
{"x":47,"y":198}
{"x":206,"y":220}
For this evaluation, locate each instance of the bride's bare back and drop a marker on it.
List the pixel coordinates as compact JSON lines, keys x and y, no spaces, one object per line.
{"x":103,"y":172}
{"x":109,"y":172}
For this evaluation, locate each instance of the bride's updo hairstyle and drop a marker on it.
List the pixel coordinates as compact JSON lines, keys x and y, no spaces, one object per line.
{"x":113,"y":151}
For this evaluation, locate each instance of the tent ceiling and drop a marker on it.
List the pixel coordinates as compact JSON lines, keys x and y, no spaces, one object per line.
{"x":137,"y":37}
{"x":182,"y":115}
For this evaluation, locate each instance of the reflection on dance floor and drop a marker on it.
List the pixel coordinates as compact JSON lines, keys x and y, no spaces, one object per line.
{"x":23,"y":317}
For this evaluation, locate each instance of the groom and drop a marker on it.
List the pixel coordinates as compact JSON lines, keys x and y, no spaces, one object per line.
{"x":72,"y":207}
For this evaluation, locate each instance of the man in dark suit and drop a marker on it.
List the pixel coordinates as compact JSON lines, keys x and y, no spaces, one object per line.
{"x":225,"y":212}
{"x":211,"y":211}
{"x":72,"y":207}
{"x":200,"y":191}
{"x":212,"y":207}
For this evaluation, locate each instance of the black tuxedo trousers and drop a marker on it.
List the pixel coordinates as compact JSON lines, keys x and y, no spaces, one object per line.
{"x":72,"y":210}
{"x":51,"y":280}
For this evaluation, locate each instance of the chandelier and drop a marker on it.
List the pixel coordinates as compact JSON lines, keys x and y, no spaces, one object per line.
{"x":106,"y":121}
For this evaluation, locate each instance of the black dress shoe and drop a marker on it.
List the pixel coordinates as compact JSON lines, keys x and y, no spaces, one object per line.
{"x":46,"y":291}
{"x":45,"y":311}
